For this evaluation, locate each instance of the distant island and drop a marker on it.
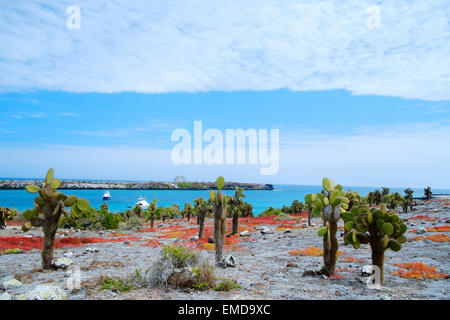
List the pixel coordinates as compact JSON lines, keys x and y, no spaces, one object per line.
{"x":151,"y":185}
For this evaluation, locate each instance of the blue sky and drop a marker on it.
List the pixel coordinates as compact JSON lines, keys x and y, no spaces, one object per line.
{"x":364,"y":106}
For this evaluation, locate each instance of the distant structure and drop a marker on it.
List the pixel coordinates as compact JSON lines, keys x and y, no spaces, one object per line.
{"x":179,"y":179}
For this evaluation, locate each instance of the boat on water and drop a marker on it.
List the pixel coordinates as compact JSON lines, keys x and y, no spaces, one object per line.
{"x":143,"y":203}
{"x":107,"y":195}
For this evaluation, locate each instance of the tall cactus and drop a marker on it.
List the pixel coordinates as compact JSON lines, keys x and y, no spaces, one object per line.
{"x":219,"y":202}
{"x":236,"y":208}
{"x":382,"y":228}
{"x":188,"y":211}
{"x":48,"y":208}
{"x":151,"y":212}
{"x":202,"y":209}
{"x":6,"y":214}
{"x":309,"y":206}
{"x":329,"y":204}
{"x":427,"y":192}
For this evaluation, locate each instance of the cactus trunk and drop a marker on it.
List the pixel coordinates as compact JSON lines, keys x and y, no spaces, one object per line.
{"x":201,"y":223}
{"x":219,"y":229}
{"x":49,"y":230}
{"x":330,"y":249}
{"x":378,"y":260}
{"x":235,"y":229}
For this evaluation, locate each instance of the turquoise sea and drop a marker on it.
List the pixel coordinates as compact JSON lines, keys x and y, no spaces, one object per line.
{"x":121,"y":199}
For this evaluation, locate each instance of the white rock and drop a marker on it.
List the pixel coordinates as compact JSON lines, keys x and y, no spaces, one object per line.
{"x":68,"y":254}
{"x":5,"y":296}
{"x":63,"y":263}
{"x":46,"y":292}
{"x":421,"y":230}
{"x":229,"y":262}
{"x":287,"y":231}
{"x":244,"y":233}
{"x":266,"y":230}
{"x":12,"y":283}
{"x":91,"y":250}
{"x":366,"y":270}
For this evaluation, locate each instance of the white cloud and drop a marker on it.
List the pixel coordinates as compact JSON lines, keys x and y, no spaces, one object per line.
{"x":168,"y":46}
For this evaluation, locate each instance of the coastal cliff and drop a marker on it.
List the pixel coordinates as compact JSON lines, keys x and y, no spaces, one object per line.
{"x":152,"y":185}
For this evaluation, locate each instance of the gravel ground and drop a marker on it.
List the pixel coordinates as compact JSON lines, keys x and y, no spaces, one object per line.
{"x":261,"y":266}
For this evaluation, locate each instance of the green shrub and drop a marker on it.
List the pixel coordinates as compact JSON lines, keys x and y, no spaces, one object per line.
{"x":270,"y":212}
{"x":116,"y":285}
{"x":226,"y":285}
{"x":179,"y":255}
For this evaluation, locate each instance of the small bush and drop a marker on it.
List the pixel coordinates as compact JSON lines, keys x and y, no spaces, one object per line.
{"x":116,"y":285}
{"x":180,"y":256}
{"x":271,"y":211}
{"x":283,"y":217}
{"x":133,"y":222}
{"x":226,"y":285}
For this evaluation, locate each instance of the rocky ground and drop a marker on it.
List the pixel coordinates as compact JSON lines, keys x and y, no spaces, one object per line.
{"x":264,"y":267}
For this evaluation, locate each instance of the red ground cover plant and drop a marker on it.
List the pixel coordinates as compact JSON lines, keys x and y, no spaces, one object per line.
{"x":440,"y":237}
{"x":425,"y":218}
{"x":30,"y":243}
{"x":417,"y":270}
{"x":352,"y":259}
{"x":311,"y":251}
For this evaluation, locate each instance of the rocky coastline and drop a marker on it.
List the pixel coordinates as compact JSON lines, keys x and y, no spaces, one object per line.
{"x":132,"y":185}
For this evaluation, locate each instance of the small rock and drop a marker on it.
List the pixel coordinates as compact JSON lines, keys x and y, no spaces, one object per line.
{"x":91,"y":250}
{"x":46,"y":292}
{"x":126,"y":242}
{"x":5,"y":296}
{"x":244,"y":233}
{"x":291,"y":265}
{"x":310,"y":273}
{"x":195,"y":238}
{"x":63,"y":263}
{"x":210,"y":240}
{"x":385,"y":298}
{"x":421,"y":230}
{"x":366,"y":270}
{"x":68,"y":254}
{"x":287,"y":231}
{"x":265,"y":230}
{"x":338,"y":293}
{"x":229,"y":262}
{"x":12,"y":283}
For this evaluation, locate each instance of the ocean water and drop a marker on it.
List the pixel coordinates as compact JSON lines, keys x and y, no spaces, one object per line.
{"x":121,"y":199}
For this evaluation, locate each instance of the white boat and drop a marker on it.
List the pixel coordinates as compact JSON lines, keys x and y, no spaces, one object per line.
{"x":107,"y":196}
{"x":143,"y":203}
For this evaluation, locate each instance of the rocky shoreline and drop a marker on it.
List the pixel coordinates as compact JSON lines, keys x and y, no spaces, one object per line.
{"x":131,"y":185}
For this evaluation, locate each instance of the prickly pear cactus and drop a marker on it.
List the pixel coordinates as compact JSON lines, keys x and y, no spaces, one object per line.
{"x":236,"y":203}
{"x":219,"y":203}
{"x":151,"y":211}
{"x":202,"y":208}
{"x":48,"y":208}
{"x":382,"y":228}
{"x":328,"y":205}
{"x":6,"y":214}
{"x":187,"y":211}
